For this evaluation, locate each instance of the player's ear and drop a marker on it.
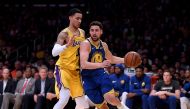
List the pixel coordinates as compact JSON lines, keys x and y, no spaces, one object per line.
{"x":70,"y":17}
{"x":101,"y":31}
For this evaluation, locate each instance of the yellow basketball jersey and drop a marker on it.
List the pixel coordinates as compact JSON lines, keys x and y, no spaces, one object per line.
{"x":69,"y":58}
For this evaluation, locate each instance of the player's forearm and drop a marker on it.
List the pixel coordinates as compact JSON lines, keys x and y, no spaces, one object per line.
{"x":90,"y":65}
{"x":117,"y":60}
{"x":57,"y":49}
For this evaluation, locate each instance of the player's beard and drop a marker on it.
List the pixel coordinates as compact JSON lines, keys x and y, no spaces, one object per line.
{"x":95,"y":38}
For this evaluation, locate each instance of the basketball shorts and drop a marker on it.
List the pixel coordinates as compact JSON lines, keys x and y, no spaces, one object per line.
{"x":68,"y":79}
{"x":96,"y":86}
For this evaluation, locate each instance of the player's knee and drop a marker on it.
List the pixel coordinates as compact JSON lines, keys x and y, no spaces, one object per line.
{"x":81,"y":103}
{"x":110,"y":98}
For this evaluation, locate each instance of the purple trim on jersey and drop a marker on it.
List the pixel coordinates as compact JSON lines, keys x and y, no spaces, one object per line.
{"x":58,"y":78}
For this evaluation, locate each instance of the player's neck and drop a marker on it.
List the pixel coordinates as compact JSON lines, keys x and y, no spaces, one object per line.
{"x":73,"y":29}
{"x":96,"y":43}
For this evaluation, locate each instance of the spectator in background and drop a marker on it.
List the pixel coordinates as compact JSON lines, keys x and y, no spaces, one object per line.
{"x":187,"y":78}
{"x":140,"y":86}
{"x":51,"y":96}
{"x":24,"y":64}
{"x":6,"y":85}
{"x":165,"y":93}
{"x":172,"y":70}
{"x":120,"y":82}
{"x":178,"y":78}
{"x":42,"y":86}
{"x":17,"y":66}
{"x":110,"y":69}
{"x":24,"y":86}
{"x":182,"y":73}
{"x":185,"y":100}
{"x":51,"y":64}
{"x":51,"y":74}
{"x":177,"y":66}
{"x":154,"y":69}
{"x":19,"y":75}
{"x":36,"y":76}
{"x":164,"y":67}
{"x":160,"y":74}
{"x":148,"y":71}
{"x":146,"y":63}
{"x":34,"y":71}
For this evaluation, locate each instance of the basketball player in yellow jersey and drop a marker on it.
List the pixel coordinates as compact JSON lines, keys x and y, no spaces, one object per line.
{"x":68,"y":82}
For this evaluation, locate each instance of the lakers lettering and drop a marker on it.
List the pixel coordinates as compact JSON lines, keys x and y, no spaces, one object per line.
{"x":76,"y":43}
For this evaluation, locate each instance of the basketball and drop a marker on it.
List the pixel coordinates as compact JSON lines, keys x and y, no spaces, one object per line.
{"x":132,"y":59}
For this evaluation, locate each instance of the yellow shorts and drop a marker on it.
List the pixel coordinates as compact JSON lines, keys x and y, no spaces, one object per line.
{"x":68,"y":79}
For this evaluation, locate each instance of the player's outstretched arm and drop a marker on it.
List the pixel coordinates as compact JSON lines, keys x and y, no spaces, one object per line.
{"x":109,"y":56}
{"x":60,"y":44}
{"x":84,"y":54}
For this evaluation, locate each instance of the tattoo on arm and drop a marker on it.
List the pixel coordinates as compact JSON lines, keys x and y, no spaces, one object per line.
{"x":62,"y":38}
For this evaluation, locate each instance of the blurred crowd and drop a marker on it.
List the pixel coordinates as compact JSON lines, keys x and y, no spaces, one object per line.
{"x":158,"y":30}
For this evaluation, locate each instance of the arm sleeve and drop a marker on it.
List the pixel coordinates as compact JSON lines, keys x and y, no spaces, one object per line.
{"x":57,"y":49}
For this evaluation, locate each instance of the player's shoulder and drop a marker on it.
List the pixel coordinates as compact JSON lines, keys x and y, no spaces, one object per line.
{"x":81,"y":30}
{"x":85,"y":43}
{"x":64,"y":31}
{"x":104,"y":44}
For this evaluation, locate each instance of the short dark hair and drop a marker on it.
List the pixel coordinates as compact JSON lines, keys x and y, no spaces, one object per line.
{"x":168,"y":71}
{"x":140,"y":67}
{"x":97,"y":23}
{"x":73,"y":11}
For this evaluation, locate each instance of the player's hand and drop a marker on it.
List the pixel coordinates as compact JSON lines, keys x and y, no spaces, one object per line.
{"x":71,"y":40}
{"x":106,"y":63}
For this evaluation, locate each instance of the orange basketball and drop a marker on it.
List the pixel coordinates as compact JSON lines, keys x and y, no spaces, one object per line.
{"x":132,"y":59}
